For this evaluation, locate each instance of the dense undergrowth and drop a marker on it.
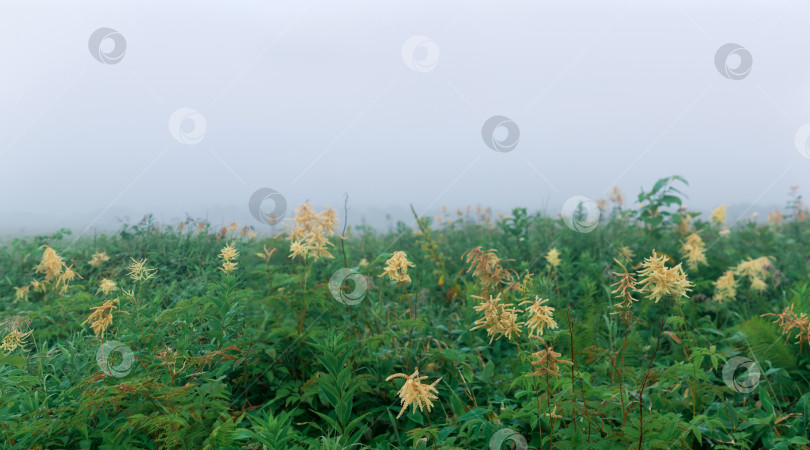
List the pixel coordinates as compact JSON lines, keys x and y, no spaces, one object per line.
{"x":237,"y":343}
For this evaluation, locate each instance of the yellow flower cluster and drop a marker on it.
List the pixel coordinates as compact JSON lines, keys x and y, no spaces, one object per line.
{"x":414,"y":393}
{"x":13,"y":340}
{"x":228,"y":255}
{"x":625,"y":254}
{"x":98,"y":259}
{"x":57,"y":274}
{"x":102,"y":316}
{"x":138,"y":271}
{"x":309,"y":236}
{"x":499,"y":319}
{"x":658,"y":280}
{"x":396,"y":268}
{"x":107,"y":286}
{"x":553,"y":258}
{"x":540,"y":316}
{"x":725,"y":288}
{"x":616,"y":196}
{"x":719,"y":215}
{"x":694,"y":251}
{"x":755,"y":270}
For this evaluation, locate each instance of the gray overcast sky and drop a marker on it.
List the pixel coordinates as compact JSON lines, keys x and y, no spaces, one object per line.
{"x":315,"y":98}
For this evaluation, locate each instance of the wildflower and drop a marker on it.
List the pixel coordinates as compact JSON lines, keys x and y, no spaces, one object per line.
{"x":725,"y":288}
{"x":601,"y":204}
{"x":659,"y":280}
{"x":396,"y":268}
{"x":499,"y":319}
{"x":181,"y":226}
{"x":13,"y":340}
{"x":233,"y":226}
{"x":626,"y":254}
{"x":547,"y":361}
{"x":228,"y":255}
{"x":719,"y":214}
{"x":201,"y":226}
{"x":616,"y":196}
{"x":758,"y":285}
{"x":66,"y":277}
{"x":694,"y":250}
{"x":107,"y":286}
{"x":755,"y":270}
{"x":21,"y":293}
{"x":312,"y":231}
{"x":102,"y":316}
{"x":297,"y":248}
{"x":37,"y":286}
{"x":540,"y":316}
{"x":725,"y":232}
{"x":553,"y":258}
{"x":683,"y":226}
{"x":267,"y":254}
{"x":98,"y":259}
{"x":789,"y":321}
{"x":138,"y":271}
{"x":55,"y":270}
{"x":553,"y":414}
{"x":775,"y":217}
{"x":625,"y":286}
{"x":251,"y":234}
{"x":414,"y":393}
{"x":51,"y":264}
{"x":486,"y":266}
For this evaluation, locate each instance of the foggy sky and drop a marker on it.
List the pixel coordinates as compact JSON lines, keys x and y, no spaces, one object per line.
{"x":315,"y":99}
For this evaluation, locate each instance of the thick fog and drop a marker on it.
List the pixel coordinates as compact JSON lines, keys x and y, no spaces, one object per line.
{"x":111,"y":110}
